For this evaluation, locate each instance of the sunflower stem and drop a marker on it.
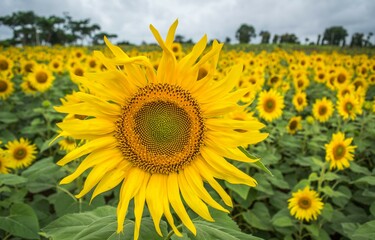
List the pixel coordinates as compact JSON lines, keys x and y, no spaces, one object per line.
{"x":170,"y":234}
{"x":321,"y":177}
{"x":67,"y":192}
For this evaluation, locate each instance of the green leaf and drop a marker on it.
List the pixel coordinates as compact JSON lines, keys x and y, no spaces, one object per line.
{"x":8,"y":117}
{"x":359,"y":169}
{"x":224,"y":228}
{"x":372,"y":209}
{"x":331,"y":193}
{"x":99,"y":224}
{"x":330,"y":176}
{"x":258,"y":164}
{"x":240,"y":189}
{"x":42,"y":175}
{"x":365,"y":231}
{"x":367,"y":179}
{"x":11,"y":179}
{"x":258,"y":217}
{"x":22,"y":222}
{"x":327,"y":212}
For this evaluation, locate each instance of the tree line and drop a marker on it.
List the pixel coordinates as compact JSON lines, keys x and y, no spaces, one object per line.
{"x":335,"y":35}
{"x":31,"y":29}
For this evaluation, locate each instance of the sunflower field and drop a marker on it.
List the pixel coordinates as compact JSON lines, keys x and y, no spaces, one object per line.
{"x":186,"y":142}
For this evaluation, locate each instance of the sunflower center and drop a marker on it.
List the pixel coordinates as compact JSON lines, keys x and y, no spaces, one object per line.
{"x":160,"y":129}
{"x":293,"y":125}
{"x":269,"y":105}
{"x":300,"y":83}
{"x":56,"y":65}
{"x":304,"y":203}
{"x":338,"y":151}
{"x":19,"y":154}
{"x":322,"y":110}
{"x":28,"y":67}
{"x":41,"y":77}
{"x":341,"y":78}
{"x":274,"y":79}
{"x":4,"y":65}
{"x":78,"y":72}
{"x":299,"y":101}
{"x":3,"y":86}
{"x":321,"y":76}
{"x":348,"y":106}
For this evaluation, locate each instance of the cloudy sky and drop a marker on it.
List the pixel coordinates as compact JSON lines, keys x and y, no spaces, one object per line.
{"x":217,"y":18}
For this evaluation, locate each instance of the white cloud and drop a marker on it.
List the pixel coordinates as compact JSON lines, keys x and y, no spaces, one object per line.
{"x":218,"y":18}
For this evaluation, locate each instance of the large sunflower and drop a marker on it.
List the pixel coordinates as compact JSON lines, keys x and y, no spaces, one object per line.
{"x":270,"y":105}
{"x":339,"y":151}
{"x":323,"y":109}
{"x":21,"y":153}
{"x":159,"y":134}
{"x":305,"y":204}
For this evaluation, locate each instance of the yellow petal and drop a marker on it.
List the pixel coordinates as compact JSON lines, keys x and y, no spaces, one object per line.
{"x":200,"y":166}
{"x":95,"y":158}
{"x":87,"y":129}
{"x":154,"y":199}
{"x":129,"y":189}
{"x":95,"y":176}
{"x":139,"y":202}
{"x":175,"y":200}
{"x":112,"y":178}
{"x":195,"y":181}
{"x":224,"y":170}
{"x":99,"y":143}
{"x":194,"y":202}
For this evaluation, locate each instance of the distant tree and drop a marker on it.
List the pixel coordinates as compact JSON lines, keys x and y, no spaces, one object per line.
{"x":98,"y":38}
{"x":275,"y":39}
{"x":335,"y":35}
{"x":318,"y":41}
{"x":357,"y":40}
{"x":367,"y":42}
{"x":289,"y":38}
{"x":265,"y":37}
{"x":179,"y":38}
{"x":227,"y":40}
{"x":245,"y":33}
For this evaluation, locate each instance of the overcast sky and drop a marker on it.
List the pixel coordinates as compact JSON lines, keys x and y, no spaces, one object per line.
{"x":217,"y":18}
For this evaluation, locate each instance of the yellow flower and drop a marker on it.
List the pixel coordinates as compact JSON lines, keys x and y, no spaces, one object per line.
{"x":305,"y":204}
{"x":41,"y":78}
{"x":322,"y":109}
{"x":21,"y":153}
{"x":160,"y":134}
{"x":294,"y":125}
{"x":67,"y":144}
{"x":270,"y":105}
{"x":4,"y":162}
{"x":348,"y":106}
{"x":6,"y":87}
{"x":6,"y":64}
{"x":299,"y":101}
{"x":339,"y":152}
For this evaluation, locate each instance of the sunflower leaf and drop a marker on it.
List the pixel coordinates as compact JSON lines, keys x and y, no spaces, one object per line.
{"x":98,"y":224}
{"x":21,"y":222}
{"x":259,"y":164}
{"x":224,"y":228}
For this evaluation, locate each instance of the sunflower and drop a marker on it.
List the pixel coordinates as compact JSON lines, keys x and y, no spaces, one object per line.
{"x":21,"y":153}
{"x":4,"y":162}
{"x":6,"y":64}
{"x":339,"y":151}
{"x":41,"y":78}
{"x":6,"y":87}
{"x":28,"y":88}
{"x":160,"y":134}
{"x":299,"y":101}
{"x":294,"y":125}
{"x":305,"y":204}
{"x":67,"y":144}
{"x":323,"y":109}
{"x":348,"y":106}
{"x":270,"y":105}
